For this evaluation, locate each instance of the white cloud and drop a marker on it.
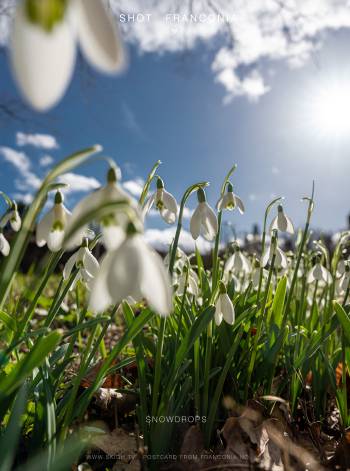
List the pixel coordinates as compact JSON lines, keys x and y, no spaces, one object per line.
{"x":244,"y":33}
{"x":275,"y":170}
{"x":160,"y":239}
{"x":134,"y":187}
{"x":187,"y":213}
{"x":28,"y":181}
{"x":130,"y":120}
{"x":16,"y":158}
{"x":46,"y":160}
{"x":255,"y":30}
{"x":42,"y":141}
{"x":78,"y":183}
{"x":25,"y":198}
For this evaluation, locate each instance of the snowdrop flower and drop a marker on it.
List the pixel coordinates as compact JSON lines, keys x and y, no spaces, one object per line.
{"x":224,"y":308}
{"x":256,"y":274}
{"x":230,"y":201}
{"x":12,"y":216}
{"x":341,"y":267}
{"x":281,"y":260}
{"x":51,"y":229}
{"x":282,"y":222}
{"x":43,"y":45}
{"x":112,"y":225}
{"x":132,"y":269}
{"x":164,"y":202}
{"x":186,"y":281}
{"x":86,"y":263}
{"x":203,"y":220}
{"x":319,"y":273}
{"x":4,"y":245}
{"x":238,"y":263}
{"x":181,"y":259}
{"x":343,"y":283}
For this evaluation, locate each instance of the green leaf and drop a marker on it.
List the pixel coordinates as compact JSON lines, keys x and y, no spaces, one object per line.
{"x":9,"y":321}
{"x":343,"y":319}
{"x":73,"y":161}
{"x":45,"y":345}
{"x":278,"y":301}
{"x":9,"y":439}
{"x":196,"y":330}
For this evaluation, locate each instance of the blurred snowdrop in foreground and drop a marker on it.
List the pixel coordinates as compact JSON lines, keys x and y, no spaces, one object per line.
{"x":43,"y":45}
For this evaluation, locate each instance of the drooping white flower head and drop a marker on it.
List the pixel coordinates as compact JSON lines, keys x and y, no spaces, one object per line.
{"x":12,"y":216}
{"x":113,"y":225}
{"x":203,"y":220}
{"x":256,"y":274}
{"x":281,"y":261}
{"x":51,"y":229}
{"x":86,"y":263}
{"x":319,"y":273}
{"x":282,"y":222}
{"x":224,"y":309}
{"x":132,"y":269}
{"x":43,"y":45}
{"x":4,"y":245}
{"x":186,"y":280}
{"x":341,"y":267}
{"x":164,"y":202}
{"x":98,"y":35}
{"x":343,"y":283}
{"x":181,"y":259}
{"x":238,"y":263}
{"x":230,"y":201}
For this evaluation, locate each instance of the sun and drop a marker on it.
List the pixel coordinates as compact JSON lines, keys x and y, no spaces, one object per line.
{"x":329,"y":109}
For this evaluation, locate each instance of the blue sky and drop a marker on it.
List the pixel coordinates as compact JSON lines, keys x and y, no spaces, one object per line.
{"x":169,"y":106}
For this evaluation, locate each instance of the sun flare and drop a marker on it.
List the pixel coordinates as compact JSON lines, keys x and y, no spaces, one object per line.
{"x":330,"y":109}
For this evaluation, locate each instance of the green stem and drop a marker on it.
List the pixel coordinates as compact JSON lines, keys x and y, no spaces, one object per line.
{"x":259,"y":329}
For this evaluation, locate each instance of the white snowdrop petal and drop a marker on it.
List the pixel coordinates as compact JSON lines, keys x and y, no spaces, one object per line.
{"x":100,"y":298}
{"x":42,"y":61}
{"x":318,"y":273}
{"x":113,"y":236}
{"x":123,"y":278}
{"x":311,"y":276}
{"x":43,"y":228}
{"x":273,"y":224}
{"x":55,"y":240}
{"x":227,"y":308}
{"x":281,"y":221}
{"x":290,"y":226}
{"x":155,"y":281}
{"x":148,"y":205}
{"x":99,"y":36}
{"x":266,"y":257}
{"x":16,"y":224}
{"x":170,"y":202}
{"x":4,"y":245}
{"x":168,"y":216}
{"x":195,"y":223}
{"x":239,"y":204}
{"x":67,"y":270}
{"x":90,"y":263}
{"x":211,"y":217}
{"x":218,"y":312}
{"x":220,"y":204}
